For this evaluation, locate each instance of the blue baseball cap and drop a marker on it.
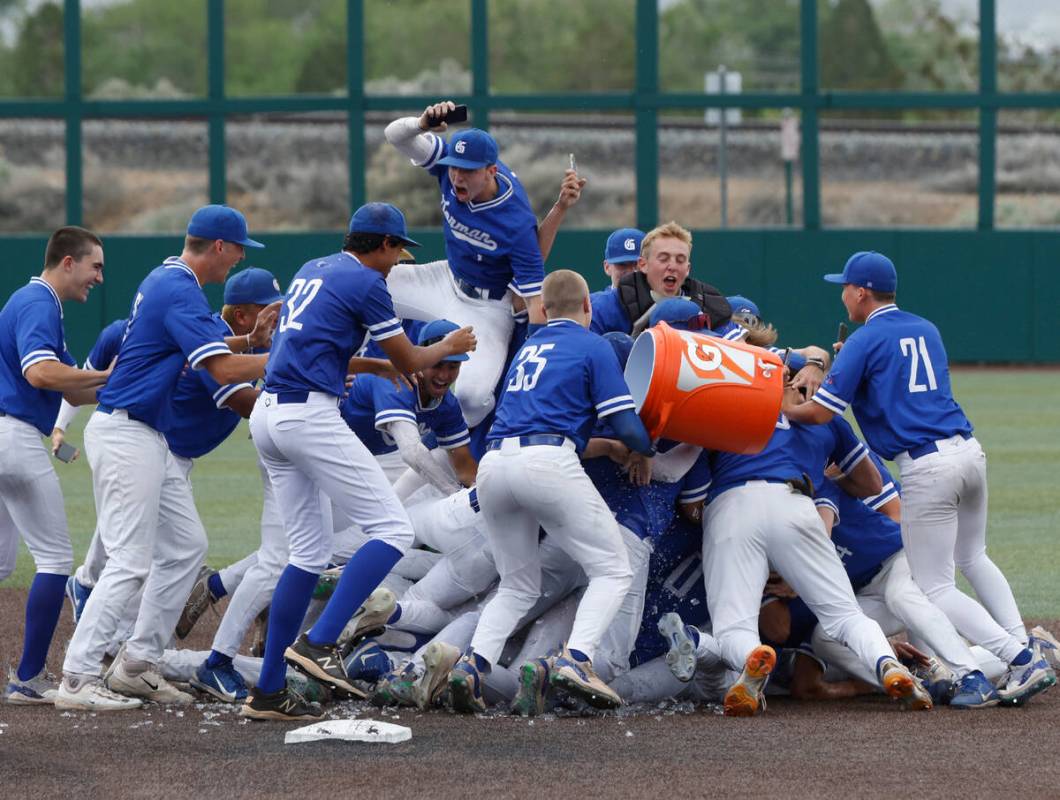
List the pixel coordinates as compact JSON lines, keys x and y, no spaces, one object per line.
{"x":621,"y":343}
{"x":623,"y":246}
{"x":221,"y":222}
{"x":869,"y":269}
{"x":471,"y":149}
{"x":742,"y":305}
{"x":252,"y":285}
{"x":382,"y":218}
{"x":680,"y":313}
{"x":436,"y":331}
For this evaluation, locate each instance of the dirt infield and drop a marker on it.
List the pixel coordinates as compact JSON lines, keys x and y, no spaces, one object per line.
{"x":865,"y":748}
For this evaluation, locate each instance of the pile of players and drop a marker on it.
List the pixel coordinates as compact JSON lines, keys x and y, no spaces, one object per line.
{"x":461,"y":504}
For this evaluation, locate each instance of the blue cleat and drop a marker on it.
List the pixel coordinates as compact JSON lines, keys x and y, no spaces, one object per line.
{"x":78,"y":594}
{"x":974,"y":691}
{"x":938,"y":681}
{"x":223,"y":682}
{"x":367,"y":662}
{"x":38,"y":690}
{"x":533,"y":688}
{"x":465,"y":685}
{"x":683,"y":641}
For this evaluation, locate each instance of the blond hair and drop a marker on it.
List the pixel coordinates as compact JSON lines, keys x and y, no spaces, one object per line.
{"x":563,"y":292}
{"x":671,"y":230}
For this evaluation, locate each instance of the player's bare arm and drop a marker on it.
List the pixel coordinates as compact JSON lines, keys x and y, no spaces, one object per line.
{"x":570,"y":191}
{"x":228,"y":368}
{"x":464,"y":465}
{"x":58,"y":377}
{"x":409,"y":358}
{"x":242,"y":402}
{"x":381,"y":368}
{"x":863,"y":480}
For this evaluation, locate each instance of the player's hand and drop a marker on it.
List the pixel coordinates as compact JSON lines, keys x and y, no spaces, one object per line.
{"x":639,"y":469}
{"x":58,"y":437}
{"x":833,"y":472}
{"x":261,"y":336}
{"x":570,"y":190}
{"x":460,"y":341}
{"x":433,"y":112}
{"x":618,"y":452}
{"x":907,"y":651}
{"x":809,"y":378}
{"x":792,"y":397}
{"x":837,"y":346}
{"x":778,"y":587}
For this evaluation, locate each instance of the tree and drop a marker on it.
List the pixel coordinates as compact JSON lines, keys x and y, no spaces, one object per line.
{"x":854,"y":54}
{"x":37,"y":68}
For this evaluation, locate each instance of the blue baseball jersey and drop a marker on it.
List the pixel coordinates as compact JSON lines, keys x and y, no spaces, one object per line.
{"x":894,"y":371}
{"x":493,"y":244}
{"x":863,"y":538}
{"x":562,"y":380}
{"x":170,"y":325}
{"x":891,"y":487}
{"x":835,"y":442}
{"x":202,"y":420}
{"x":373,"y":402}
{"x":778,"y":461}
{"x":31,"y":331}
{"x":107,"y":345}
{"x":331,"y":304}
{"x":412,"y":327}
{"x":608,"y":313}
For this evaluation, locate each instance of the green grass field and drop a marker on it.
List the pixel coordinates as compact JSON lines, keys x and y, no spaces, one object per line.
{"x":1014,"y":411}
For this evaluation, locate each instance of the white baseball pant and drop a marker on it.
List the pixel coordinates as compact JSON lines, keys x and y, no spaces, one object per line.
{"x":894,"y":600}
{"x":944,"y":498}
{"x":308,"y":448}
{"x":749,"y":527}
{"x":31,"y":502}
{"x":521,"y":489}
{"x":152,"y":535}
{"x":428,"y":292}
{"x":653,"y":682}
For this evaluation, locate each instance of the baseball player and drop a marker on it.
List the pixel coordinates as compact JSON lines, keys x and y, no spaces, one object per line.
{"x":307,"y":448}
{"x":621,"y":254}
{"x":36,"y":372}
{"x":491,"y":246}
{"x":894,"y":372}
{"x":562,"y":380}
{"x":662,"y":271}
{"x":147,"y":521}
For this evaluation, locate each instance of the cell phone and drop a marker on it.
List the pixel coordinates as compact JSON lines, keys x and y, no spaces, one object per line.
{"x":843,"y":330}
{"x":787,"y":356}
{"x":573,"y":163}
{"x":458,"y":114}
{"x":66,"y":452}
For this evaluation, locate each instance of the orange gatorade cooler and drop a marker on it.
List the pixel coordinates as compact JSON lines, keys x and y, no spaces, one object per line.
{"x":705,"y":390}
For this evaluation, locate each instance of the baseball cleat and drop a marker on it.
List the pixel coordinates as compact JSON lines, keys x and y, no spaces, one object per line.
{"x":89,"y":693}
{"x":260,"y":634}
{"x":77,"y":593}
{"x":326,"y":584}
{"x":321,"y":662}
{"x":312,"y":690}
{"x":396,"y":688}
{"x":223,"y":682}
{"x":369,"y":618}
{"x":1047,"y":645}
{"x":285,"y":704}
{"x":683,"y":641}
{"x":974,"y":691}
{"x":1023,"y":681}
{"x":367,"y":662}
{"x":746,"y":697}
{"x":200,"y":599}
{"x":900,"y":684}
{"x":147,"y":683}
{"x":578,"y":678}
{"x":465,"y":686}
{"x":37,"y":691}
{"x":438,"y":661}
{"x":533,"y":688}
{"x":938,"y":680}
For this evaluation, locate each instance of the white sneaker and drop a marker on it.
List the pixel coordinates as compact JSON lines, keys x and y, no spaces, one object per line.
{"x":147,"y":683}
{"x":87,"y":693}
{"x":36,"y":691}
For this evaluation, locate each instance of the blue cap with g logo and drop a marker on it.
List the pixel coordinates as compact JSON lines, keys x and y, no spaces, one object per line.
{"x":869,"y":269}
{"x":253,"y":285}
{"x":437,"y":330}
{"x":471,"y":149}
{"x":623,"y":246}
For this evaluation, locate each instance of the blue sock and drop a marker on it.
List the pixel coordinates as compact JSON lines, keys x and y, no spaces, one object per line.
{"x":289,"y":603}
{"x":217,"y":589}
{"x":1023,"y":658}
{"x":396,"y":615}
{"x":578,"y":655}
{"x":369,"y":565}
{"x":215,"y":660}
{"x":879,"y":663}
{"x":43,"y":606}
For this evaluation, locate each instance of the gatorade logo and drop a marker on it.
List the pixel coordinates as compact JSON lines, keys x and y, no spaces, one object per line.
{"x":460,"y":147}
{"x":707,"y":361}
{"x":630,"y":244}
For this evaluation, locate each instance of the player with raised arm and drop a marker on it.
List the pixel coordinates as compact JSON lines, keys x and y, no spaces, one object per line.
{"x":563,"y":379}
{"x":147,"y":521}
{"x":894,"y":373}
{"x":36,"y":372}
{"x":491,"y":246}
{"x":307,"y":448}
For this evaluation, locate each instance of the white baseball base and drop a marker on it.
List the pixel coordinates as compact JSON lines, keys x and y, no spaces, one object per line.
{"x":349,"y":730}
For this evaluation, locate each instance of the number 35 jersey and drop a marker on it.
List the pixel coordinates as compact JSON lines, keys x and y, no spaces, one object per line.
{"x":331,"y":304}
{"x":561,"y":381}
{"x":895,"y":373}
